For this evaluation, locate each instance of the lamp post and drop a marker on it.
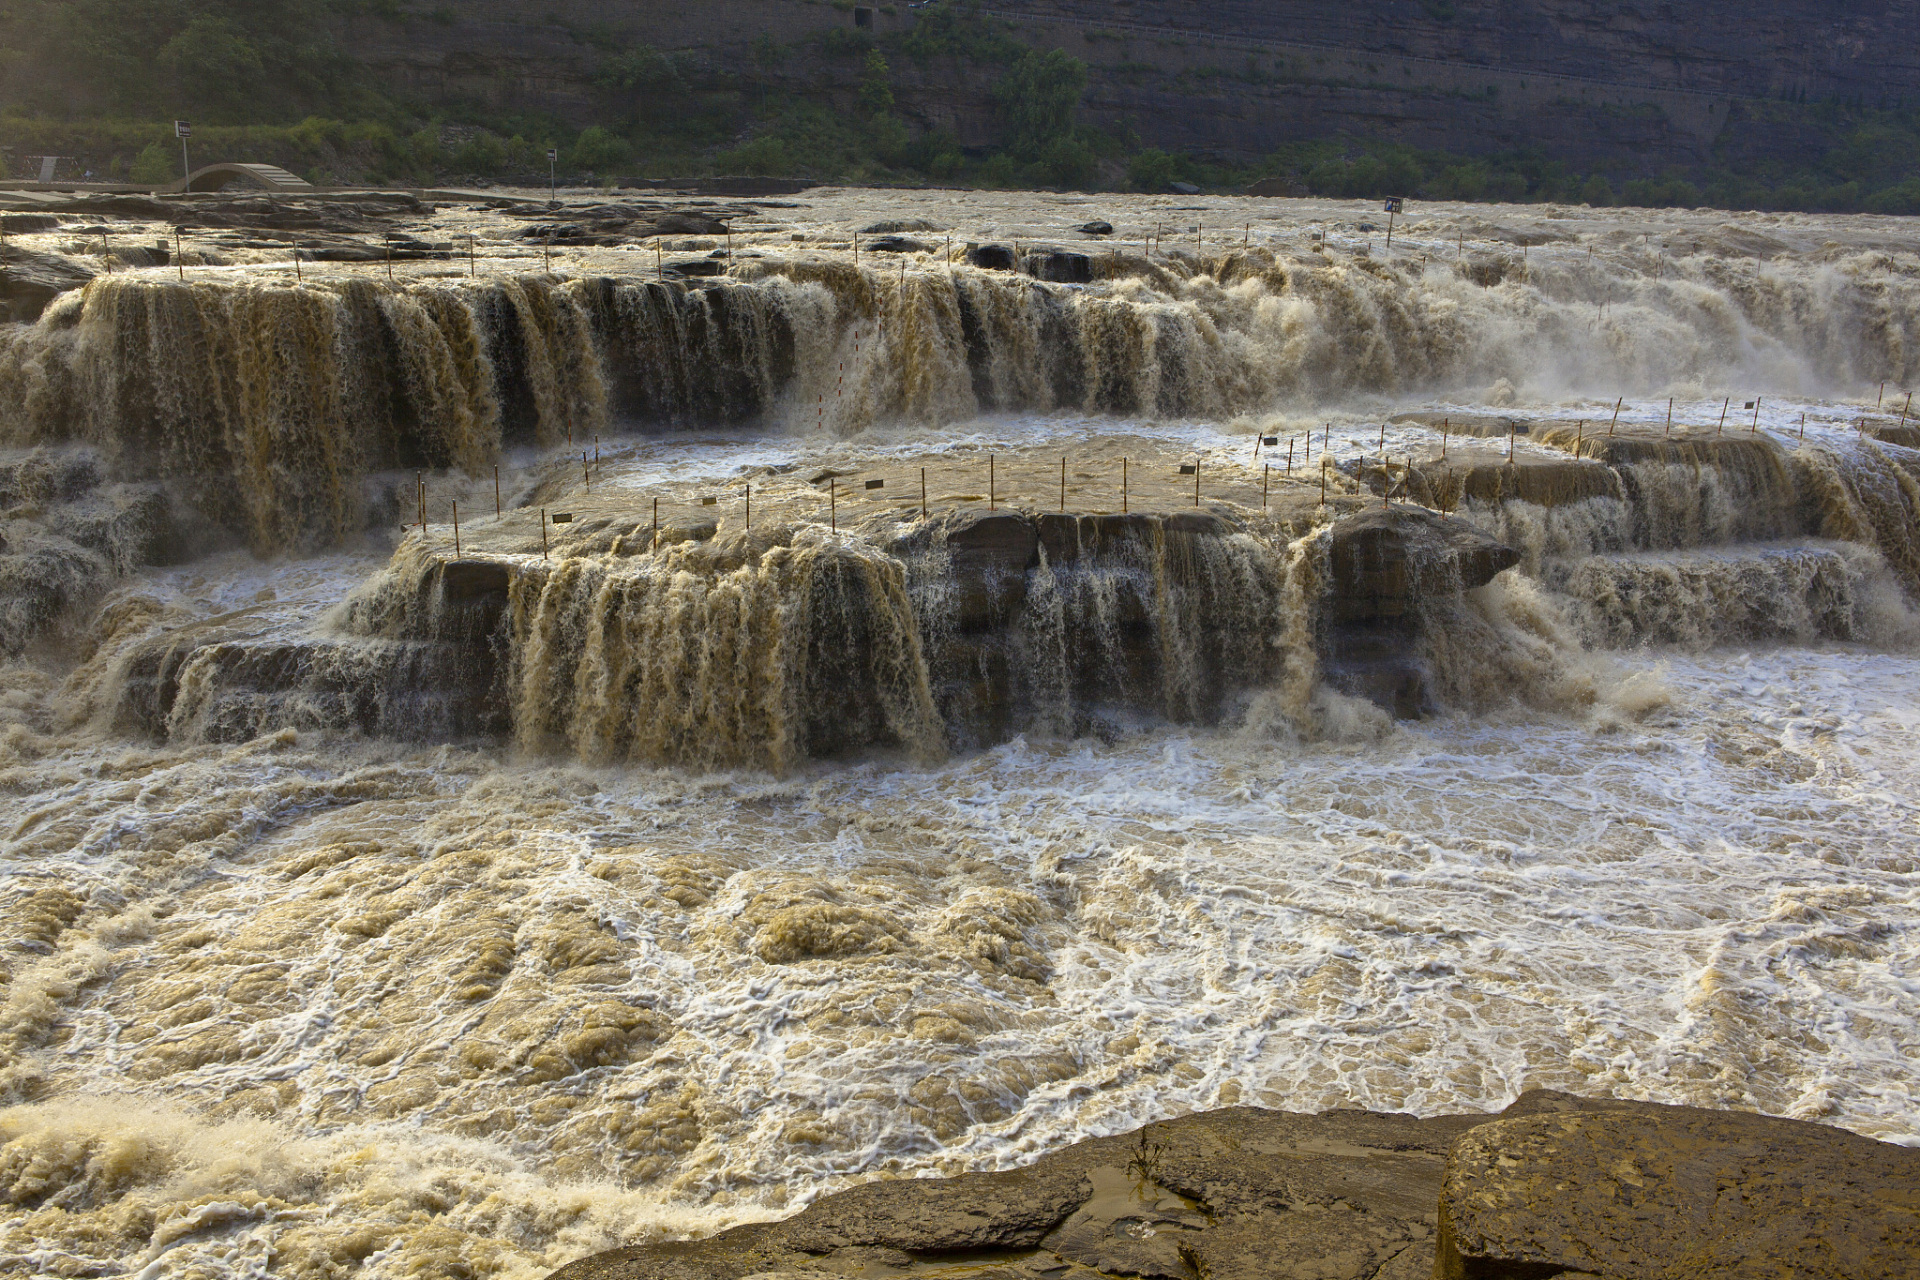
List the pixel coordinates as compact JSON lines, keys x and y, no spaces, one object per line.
{"x":553,"y":176}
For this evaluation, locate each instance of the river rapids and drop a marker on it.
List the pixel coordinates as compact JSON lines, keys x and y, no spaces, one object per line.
{"x":377,"y":905}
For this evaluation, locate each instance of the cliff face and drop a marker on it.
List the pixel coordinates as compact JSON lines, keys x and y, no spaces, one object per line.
{"x":1715,"y":47}
{"x":1641,"y":86}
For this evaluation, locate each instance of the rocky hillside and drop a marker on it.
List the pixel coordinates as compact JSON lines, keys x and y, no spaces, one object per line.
{"x":1644,"y":85}
{"x":1792,"y":104}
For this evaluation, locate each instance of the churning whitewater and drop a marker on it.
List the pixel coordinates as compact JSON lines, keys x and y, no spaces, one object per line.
{"x":503,"y":762}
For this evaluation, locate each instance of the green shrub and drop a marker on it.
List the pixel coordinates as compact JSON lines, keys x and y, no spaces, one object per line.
{"x":1596,"y":191}
{"x":157,"y":164}
{"x":876,"y":95}
{"x":1066,"y":162}
{"x":765,"y":156}
{"x":1660,"y":193}
{"x":483,"y":154}
{"x":598,"y":151}
{"x":1000,"y":170}
{"x":1150,"y":170}
{"x":1904,"y":198}
{"x":423,"y":148}
{"x":1507,"y":187}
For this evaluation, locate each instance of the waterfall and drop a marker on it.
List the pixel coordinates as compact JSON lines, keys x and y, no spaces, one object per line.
{"x":270,"y":404}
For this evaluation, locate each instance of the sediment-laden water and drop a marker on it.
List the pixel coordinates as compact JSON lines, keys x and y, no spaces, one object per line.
{"x":365,"y":913}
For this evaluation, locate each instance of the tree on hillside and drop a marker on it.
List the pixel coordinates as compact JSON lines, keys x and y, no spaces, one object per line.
{"x":224,"y":61}
{"x":1037,"y":98}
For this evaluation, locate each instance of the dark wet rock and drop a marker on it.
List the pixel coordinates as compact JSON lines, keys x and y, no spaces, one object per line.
{"x":43,"y":578}
{"x":1907,"y":436}
{"x":1903,"y":431}
{"x":617,"y":223}
{"x":1543,"y":482}
{"x":474,"y":579}
{"x":41,"y":476}
{"x":128,"y":525}
{"x":143,"y":208}
{"x":1072,"y":537}
{"x":29,"y":281}
{"x":1380,"y":660}
{"x":897,"y":244}
{"x":248,"y":682}
{"x":1277,"y":187}
{"x":1095,"y":228}
{"x":1467,"y":424}
{"x":1183,"y":188}
{"x":1384,"y":561}
{"x":68,"y":536}
{"x":989,"y":558}
{"x":1635,"y":1190}
{"x":1488,"y":272}
{"x":20,"y":224}
{"x":683,"y":224}
{"x":747,"y":186}
{"x":895,"y":226}
{"x":1060,"y":266}
{"x":698,"y":267}
{"x":992,"y":257}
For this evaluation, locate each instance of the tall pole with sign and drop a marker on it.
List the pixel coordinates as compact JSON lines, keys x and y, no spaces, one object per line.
{"x":182,"y":130}
{"x":1393,"y":207}
{"x":553,"y":176}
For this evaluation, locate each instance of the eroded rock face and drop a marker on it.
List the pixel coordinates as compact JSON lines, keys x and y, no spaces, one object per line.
{"x":992,"y":257}
{"x":1060,"y":266}
{"x":1386,"y":560}
{"x":1553,"y":1186}
{"x":1642,"y":1191}
{"x":29,"y":281}
{"x":1383,"y":563}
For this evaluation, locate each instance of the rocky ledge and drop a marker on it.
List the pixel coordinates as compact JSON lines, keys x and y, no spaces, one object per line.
{"x":1554,"y":1186}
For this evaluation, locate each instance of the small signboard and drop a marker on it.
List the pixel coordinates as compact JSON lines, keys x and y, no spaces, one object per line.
{"x":1269,"y":441}
{"x":181,"y":129}
{"x":562,"y":517}
{"x":876,"y":484}
{"x":708,"y":502}
{"x":1395,"y":204}
{"x":1749,"y":404}
{"x":1188,"y":471}
{"x":553,"y":154}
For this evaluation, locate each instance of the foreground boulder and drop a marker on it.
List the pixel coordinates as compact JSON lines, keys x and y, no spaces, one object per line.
{"x":1554,"y":1186}
{"x":1232,"y":1194}
{"x":1637,"y":1192}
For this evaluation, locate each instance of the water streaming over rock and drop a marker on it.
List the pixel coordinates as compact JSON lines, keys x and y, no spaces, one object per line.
{"x":718,"y":653}
{"x":272,"y":404}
